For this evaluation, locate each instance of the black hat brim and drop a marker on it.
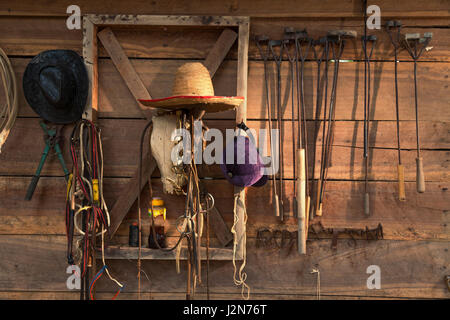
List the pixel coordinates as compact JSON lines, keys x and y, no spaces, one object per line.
{"x":72,"y":62}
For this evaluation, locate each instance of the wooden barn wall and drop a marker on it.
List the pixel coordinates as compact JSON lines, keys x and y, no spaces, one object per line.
{"x":414,"y":256}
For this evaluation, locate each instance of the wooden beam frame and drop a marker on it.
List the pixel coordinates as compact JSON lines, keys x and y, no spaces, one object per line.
{"x":91,"y":24}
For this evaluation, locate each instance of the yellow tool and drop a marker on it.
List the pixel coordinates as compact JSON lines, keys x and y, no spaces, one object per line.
{"x":158,"y":208}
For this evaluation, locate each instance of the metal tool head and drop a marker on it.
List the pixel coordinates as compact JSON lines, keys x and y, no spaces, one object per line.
{"x":289,"y":30}
{"x":342,"y":34}
{"x":275,"y":43}
{"x":289,"y":33}
{"x":261,"y":38}
{"x":426,"y":38}
{"x":320,"y":42}
{"x":301,"y":35}
{"x":371,"y":38}
{"x":289,"y":36}
{"x":412,"y":36}
{"x":393,"y":24}
{"x":428,"y":35}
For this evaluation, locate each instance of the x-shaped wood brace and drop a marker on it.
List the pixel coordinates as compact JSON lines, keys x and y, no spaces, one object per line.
{"x":139,"y":91}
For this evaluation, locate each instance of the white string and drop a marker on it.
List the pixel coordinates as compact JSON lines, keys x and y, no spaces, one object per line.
{"x":103,"y":259}
{"x":8,"y":113}
{"x":242,"y":276}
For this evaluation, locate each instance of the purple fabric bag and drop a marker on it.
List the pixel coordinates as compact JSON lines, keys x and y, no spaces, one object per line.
{"x":247,"y":168}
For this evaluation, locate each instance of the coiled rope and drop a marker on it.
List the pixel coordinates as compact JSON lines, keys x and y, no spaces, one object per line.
{"x":8,"y":112}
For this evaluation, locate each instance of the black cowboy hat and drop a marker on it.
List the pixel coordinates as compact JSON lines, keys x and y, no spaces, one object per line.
{"x":56,"y":85}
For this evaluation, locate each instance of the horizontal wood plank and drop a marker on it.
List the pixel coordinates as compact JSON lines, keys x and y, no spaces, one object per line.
{"x":265,"y":8}
{"x":41,"y":266}
{"x":120,"y":139}
{"x":422,"y":216}
{"x":107,"y":295}
{"x":27,"y":36}
{"x":115,"y":100}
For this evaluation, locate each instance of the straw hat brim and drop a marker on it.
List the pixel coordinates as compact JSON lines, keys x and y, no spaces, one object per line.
{"x":209,"y":103}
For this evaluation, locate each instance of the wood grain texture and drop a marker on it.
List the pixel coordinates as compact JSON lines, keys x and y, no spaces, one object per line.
{"x":27,"y":36}
{"x":120,"y":138}
{"x":116,"y":101}
{"x":423,"y":216}
{"x":90,"y":57}
{"x":408,"y":269}
{"x":125,"y":252}
{"x":218,"y":53}
{"x":265,"y":8}
{"x":42,"y":295}
{"x":32,"y":240}
{"x":123,"y":65}
{"x":213,"y":61}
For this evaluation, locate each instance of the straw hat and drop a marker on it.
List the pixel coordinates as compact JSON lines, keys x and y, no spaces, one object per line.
{"x":193,"y":88}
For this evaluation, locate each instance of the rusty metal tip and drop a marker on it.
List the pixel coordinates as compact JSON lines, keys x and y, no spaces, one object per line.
{"x":412,"y":36}
{"x":320,"y":41}
{"x":275,"y":42}
{"x":369,"y":38}
{"x":289,"y":30}
{"x":343,"y":33}
{"x":393,"y":23}
{"x":261,"y":37}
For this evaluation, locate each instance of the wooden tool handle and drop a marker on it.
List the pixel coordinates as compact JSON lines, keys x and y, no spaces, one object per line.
{"x":420,"y":178}
{"x":308,"y":204}
{"x":401,"y":182}
{"x":277,"y":206}
{"x":319,"y":210}
{"x":366,"y":204}
{"x":318,"y":204}
{"x":301,"y":199}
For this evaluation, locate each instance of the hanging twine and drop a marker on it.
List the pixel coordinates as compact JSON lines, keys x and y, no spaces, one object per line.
{"x":241,"y":275}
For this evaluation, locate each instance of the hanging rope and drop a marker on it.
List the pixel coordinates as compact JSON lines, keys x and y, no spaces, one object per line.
{"x":241,"y":275}
{"x":8,"y":112}
{"x":85,"y":195}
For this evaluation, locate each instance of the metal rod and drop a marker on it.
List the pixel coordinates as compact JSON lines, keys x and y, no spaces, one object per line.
{"x":337,"y":42}
{"x":303,"y":55}
{"x":318,"y":58}
{"x":278,"y":60}
{"x":390,"y":25}
{"x":323,"y":149}
{"x":301,"y":37}
{"x":415,"y":53}
{"x":367,"y":77}
{"x":265,"y":57}
{"x":292,"y":58}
